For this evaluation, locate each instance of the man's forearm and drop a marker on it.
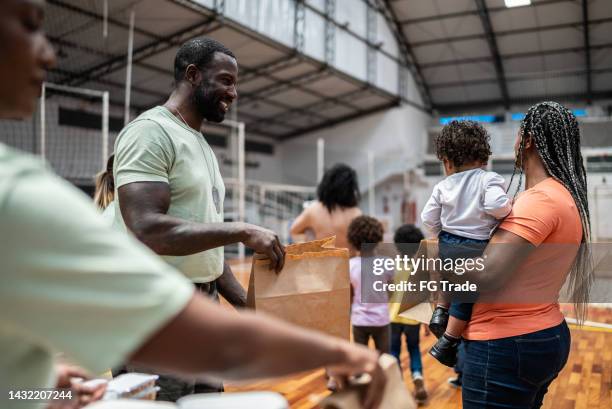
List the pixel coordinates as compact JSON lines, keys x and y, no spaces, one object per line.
{"x":208,"y":339}
{"x":229,"y":287}
{"x":171,"y":236}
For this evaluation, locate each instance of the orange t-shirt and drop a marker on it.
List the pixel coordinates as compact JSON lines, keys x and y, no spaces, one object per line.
{"x":544,"y":214}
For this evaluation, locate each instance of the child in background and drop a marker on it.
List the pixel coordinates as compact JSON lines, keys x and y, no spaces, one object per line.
{"x":369,"y":309}
{"x":407,"y":234}
{"x":462,"y":212}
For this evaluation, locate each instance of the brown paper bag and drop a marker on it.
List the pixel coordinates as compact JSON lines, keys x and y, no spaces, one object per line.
{"x":312,"y":290}
{"x":396,"y":396}
{"x":411,"y":300}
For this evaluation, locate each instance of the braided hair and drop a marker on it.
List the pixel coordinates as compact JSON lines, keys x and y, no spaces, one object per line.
{"x":556,"y":136}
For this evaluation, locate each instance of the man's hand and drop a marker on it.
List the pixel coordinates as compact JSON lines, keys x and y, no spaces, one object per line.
{"x":266,"y":242}
{"x":361,"y":360}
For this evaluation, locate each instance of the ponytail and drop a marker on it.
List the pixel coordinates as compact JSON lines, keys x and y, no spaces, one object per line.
{"x":105,"y":185}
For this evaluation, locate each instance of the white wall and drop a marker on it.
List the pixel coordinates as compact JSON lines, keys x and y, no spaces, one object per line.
{"x":397,"y":138}
{"x":269,"y":167}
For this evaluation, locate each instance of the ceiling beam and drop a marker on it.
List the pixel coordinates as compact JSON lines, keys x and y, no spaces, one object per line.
{"x":247,"y":74}
{"x":143,"y":52}
{"x":578,"y":50}
{"x":587,"y":48}
{"x":499,"y":67}
{"x":312,"y":107}
{"x":162,"y":97}
{"x":411,"y":62}
{"x":254,"y":99}
{"x":100,"y":18}
{"x":60,"y":42}
{"x":576,"y":24}
{"x":318,"y":106}
{"x":334,"y":122}
{"x":112,"y":101}
{"x":110,"y":83}
{"x":462,"y":108}
{"x":472,"y":12}
{"x":540,"y":75}
{"x":256,"y":118}
{"x":274,"y":103}
{"x":285,"y":85}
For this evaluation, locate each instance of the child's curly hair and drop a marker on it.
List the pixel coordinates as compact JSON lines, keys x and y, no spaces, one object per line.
{"x":463,"y":142}
{"x":364,"y":229}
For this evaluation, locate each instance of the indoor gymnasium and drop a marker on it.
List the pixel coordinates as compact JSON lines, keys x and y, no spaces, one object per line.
{"x":296,"y":204}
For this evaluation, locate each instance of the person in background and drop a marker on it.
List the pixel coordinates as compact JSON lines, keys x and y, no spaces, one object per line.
{"x":72,"y":284}
{"x":463,"y":211}
{"x":369,"y":308}
{"x":104,"y":193}
{"x":337,"y":205}
{"x":400,"y":326}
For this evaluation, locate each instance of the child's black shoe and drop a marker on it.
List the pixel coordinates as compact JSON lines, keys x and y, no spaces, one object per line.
{"x":439,"y":321}
{"x":445,"y":350}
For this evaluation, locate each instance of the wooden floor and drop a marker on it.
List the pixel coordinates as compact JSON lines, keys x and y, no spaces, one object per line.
{"x":585,"y":382}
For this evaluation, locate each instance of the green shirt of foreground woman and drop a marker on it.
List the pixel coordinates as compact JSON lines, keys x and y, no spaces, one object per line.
{"x":70,"y":284}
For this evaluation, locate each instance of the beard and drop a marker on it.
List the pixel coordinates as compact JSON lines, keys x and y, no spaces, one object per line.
{"x":207,"y":104}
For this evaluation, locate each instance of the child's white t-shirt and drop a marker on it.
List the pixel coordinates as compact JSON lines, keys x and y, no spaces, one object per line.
{"x":468,"y":204}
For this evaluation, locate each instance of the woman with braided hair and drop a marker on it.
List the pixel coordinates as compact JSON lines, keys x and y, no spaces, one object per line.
{"x":517,"y":339}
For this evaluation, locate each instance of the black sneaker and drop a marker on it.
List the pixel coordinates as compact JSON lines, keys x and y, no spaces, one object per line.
{"x":445,"y":350}
{"x":439,"y":321}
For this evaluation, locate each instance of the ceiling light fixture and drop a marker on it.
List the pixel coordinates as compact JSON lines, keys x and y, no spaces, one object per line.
{"x":517,"y":3}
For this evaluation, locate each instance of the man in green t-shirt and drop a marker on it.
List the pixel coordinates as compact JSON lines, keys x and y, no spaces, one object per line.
{"x":71,"y":284}
{"x":170,"y":190}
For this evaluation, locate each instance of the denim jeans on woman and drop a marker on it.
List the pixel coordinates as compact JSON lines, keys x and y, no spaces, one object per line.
{"x":514,"y":372}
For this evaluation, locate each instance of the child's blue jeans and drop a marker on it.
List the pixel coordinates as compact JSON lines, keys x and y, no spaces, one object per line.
{"x":452,"y":246}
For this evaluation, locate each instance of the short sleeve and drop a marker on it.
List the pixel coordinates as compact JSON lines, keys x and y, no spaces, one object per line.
{"x":533,"y":217}
{"x":143,"y":153}
{"x":430,"y":216}
{"x":72,"y":284}
{"x":496,"y":201}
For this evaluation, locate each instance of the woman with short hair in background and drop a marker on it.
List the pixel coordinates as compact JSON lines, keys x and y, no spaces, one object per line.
{"x":337,"y":205}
